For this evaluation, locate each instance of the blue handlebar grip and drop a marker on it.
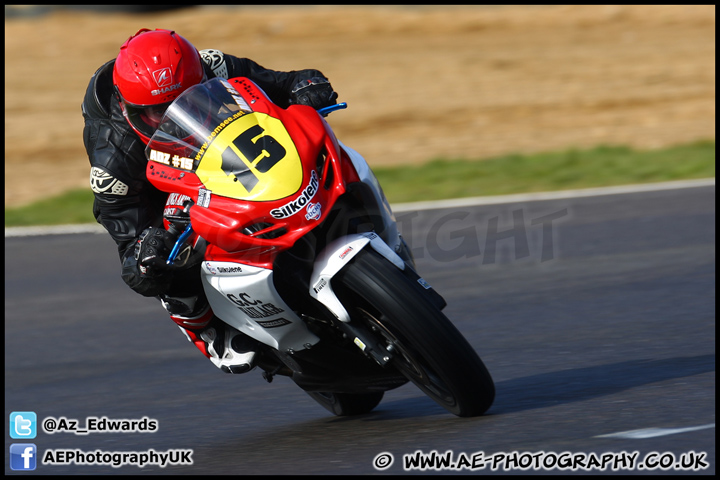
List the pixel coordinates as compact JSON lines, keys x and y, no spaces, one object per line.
{"x":325,"y":110}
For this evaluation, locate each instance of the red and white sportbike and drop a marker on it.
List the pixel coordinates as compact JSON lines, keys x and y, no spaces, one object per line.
{"x":300,"y":250}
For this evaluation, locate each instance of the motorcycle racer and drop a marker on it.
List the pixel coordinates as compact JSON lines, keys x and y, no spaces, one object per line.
{"x":123,"y":105}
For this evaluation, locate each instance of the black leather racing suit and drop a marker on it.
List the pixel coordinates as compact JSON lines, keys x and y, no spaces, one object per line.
{"x":125,"y":202}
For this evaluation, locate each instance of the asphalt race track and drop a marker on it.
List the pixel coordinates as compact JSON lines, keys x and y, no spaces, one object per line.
{"x":594,"y":315}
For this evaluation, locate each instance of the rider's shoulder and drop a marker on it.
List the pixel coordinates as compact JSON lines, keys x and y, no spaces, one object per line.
{"x":99,"y":93}
{"x":216,"y":61}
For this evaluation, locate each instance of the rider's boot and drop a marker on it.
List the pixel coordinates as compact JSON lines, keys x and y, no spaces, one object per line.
{"x":229,"y":349}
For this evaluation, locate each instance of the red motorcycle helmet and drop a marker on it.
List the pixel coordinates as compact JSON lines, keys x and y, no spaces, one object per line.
{"x":151,"y":70}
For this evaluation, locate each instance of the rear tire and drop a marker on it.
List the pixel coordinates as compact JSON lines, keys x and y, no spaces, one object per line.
{"x":427,"y":347}
{"x":345,"y":404}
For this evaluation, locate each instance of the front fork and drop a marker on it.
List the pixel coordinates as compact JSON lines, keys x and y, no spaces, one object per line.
{"x":334,"y":258}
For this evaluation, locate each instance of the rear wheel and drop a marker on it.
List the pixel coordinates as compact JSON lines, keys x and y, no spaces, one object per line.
{"x":426,"y":346}
{"x":343,"y":404}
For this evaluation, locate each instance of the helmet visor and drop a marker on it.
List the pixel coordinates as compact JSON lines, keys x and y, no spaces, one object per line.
{"x":145,"y":118}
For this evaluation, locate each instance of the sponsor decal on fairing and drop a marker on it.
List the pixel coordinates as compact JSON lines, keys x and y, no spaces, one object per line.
{"x":313,"y":211}
{"x":294,"y":206}
{"x":204,"y":197}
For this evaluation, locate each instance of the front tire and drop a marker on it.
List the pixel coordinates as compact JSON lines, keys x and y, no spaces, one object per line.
{"x":427,"y":347}
{"x":346,"y":404}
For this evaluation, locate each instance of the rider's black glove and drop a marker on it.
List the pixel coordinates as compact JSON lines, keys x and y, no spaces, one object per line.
{"x":152,"y":250}
{"x":315,"y":92}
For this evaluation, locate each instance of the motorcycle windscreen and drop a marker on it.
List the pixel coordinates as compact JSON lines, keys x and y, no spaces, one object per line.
{"x":236,"y":152}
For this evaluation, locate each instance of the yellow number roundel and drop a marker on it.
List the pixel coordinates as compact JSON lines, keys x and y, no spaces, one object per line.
{"x":251,"y":158}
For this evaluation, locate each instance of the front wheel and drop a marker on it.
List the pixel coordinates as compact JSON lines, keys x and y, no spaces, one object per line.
{"x":426,"y":346}
{"x":345,"y":404}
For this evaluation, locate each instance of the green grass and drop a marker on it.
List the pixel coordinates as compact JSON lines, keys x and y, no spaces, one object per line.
{"x":438,"y":179}
{"x":74,"y":206}
{"x":570,"y":169}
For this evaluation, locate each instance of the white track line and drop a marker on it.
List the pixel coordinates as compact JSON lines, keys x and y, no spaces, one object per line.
{"x":653,"y":432}
{"x":431,"y":205}
{"x":53,"y":230}
{"x":531,"y":197}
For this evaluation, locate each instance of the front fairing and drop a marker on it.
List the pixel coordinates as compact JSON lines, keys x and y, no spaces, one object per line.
{"x":259,"y":175}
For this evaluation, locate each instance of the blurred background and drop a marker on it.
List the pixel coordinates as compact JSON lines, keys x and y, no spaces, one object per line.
{"x":422,"y":82}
